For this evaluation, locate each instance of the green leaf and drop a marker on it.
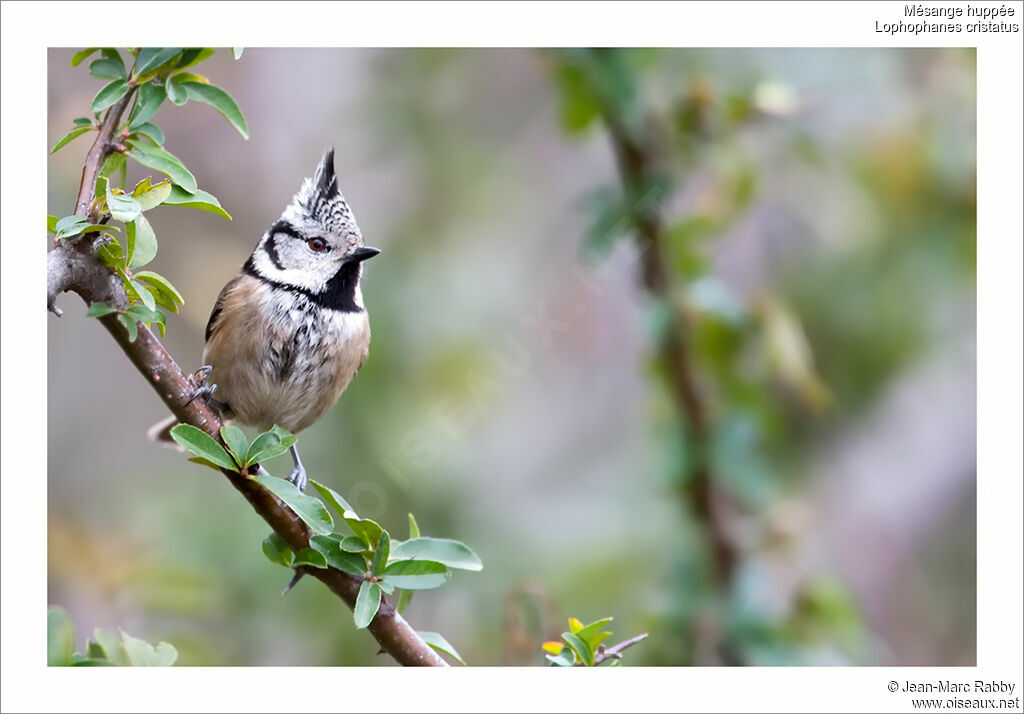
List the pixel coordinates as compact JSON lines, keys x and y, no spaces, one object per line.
{"x":149,"y":195}
{"x":449,"y":552}
{"x":581,"y":648}
{"x":440,"y":644}
{"x":112,"y":54}
{"x":381,"y":553}
{"x":594,"y":634}
{"x":367,"y":603}
{"x":266,"y":446}
{"x":353,"y":544}
{"x":99,"y":309}
{"x":145,"y":297}
{"x":203,"y":462}
{"x":141,"y":247}
{"x":107,"y":68}
{"x":110,"y":253}
{"x":122,"y":207}
{"x":69,"y":137}
{"x":311,"y":557}
{"x":148,"y":100}
{"x":237,"y":52}
{"x":60,"y":637}
{"x":151,"y":58}
{"x":142,"y":654}
{"x":277,"y":550}
{"x":73,"y":225}
{"x":112,"y":647}
{"x":93,"y":650}
{"x":404,"y":598}
{"x":334,"y":500}
{"x":163,"y":161}
{"x":566,"y":658}
{"x":192,"y":56}
{"x":198,"y":442}
{"x":152,"y":132}
{"x":109,"y":95}
{"x":166,"y":295}
{"x":51,"y":224}
{"x":330,"y":547}
{"x":112,"y":163}
{"x":76,"y":59}
{"x":236,"y":441}
{"x":221,"y":101}
{"x":416,"y":574}
{"x":196,"y":199}
{"x":309,"y":509}
{"x":129,"y":324}
{"x":414,"y":528}
{"x":366,"y":529}
{"x":176,"y":92}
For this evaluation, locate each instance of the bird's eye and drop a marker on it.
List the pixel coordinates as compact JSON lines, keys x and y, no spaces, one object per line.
{"x":317,"y":244}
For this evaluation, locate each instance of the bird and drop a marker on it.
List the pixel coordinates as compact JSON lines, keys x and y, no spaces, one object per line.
{"x":290,"y":331}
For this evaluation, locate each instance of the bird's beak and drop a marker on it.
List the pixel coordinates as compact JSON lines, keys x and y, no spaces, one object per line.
{"x":363,"y":252}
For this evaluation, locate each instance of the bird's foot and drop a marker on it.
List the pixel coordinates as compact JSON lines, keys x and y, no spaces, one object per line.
{"x":204,"y":390}
{"x":298,"y":477}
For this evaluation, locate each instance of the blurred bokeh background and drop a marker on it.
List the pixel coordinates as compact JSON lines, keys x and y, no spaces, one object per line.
{"x":821,"y":234}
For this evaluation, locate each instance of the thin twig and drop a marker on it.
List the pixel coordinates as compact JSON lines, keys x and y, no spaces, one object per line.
{"x":615,"y":651}
{"x":73,"y":265}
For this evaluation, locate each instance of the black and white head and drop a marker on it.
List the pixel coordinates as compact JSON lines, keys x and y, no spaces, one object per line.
{"x":315,"y":246}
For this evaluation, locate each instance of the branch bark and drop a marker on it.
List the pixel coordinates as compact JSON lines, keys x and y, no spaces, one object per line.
{"x":73,"y":266}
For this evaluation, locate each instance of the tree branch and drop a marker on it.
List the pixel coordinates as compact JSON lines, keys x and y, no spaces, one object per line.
{"x":636,"y":162}
{"x":615,"y":651}
{"x":73,"y":265}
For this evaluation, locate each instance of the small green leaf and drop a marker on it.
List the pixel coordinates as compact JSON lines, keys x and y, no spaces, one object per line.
{"x":99,"y":309}
{"x":566,"y":658}
{"x":414,"y":528}
{"x":152,"y":132}
{"x":440,"y":644}
{"x":236,"y":441}
{"x":148,"y":100}
{"x":221,"y":101}
{"x":83,"y":121}
{"x":311,"y":557}
{"x":73,"y":225}
{"x":110,"y":253}
{"x":449,"y":552}
{"x":197,"y":199}
{"x":335,"y":501}
{"x":277,"y":550}
{"x":109,"y":95}
{"x":142,"y":244}
{"x":149,"y":195}
{"x":165,"y":162}
{"x":129,"y":324}
{"x":237,"y":52}
{"x":367,"y":604}
{"x":575,"y":625}
{"x":192,"y":56}
{"x":93,"y":650}
{"x":353,"y":544}
{"x":309,"y":509}
{"x":107,"y":68}
{"x":69,"y":137}
{"x":330,"y":547}
{"x":203,"y":462}
{"x":142,"y":654}
{"x":112,"y":54}
{"x":198,"y":442}
{"x":76,"y":59}
{"x":166,"y":295}
{"x":151,"y":58}
{"x":60,"y":637}
{"x":268,"y":445}
{"x":112,"y":647}
{"x":404,"y":598}
{"x":112,"y":163}
{"x":122,"y":207}
{"x":176,"y":92}
{"x":145,"y":314}
{"x":51,"y":224}
{"x":366,"y":529}
{"x":381,"y":552}
{"x":592,"y":634}
{"x":581,"y":648}
{"x":144,"y":295}
{"x":416,"y":574}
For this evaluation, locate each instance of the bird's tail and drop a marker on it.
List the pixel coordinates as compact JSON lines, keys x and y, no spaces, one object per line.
{"x":161,"y":432}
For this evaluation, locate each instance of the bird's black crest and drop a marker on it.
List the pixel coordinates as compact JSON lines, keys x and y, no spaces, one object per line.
{"x":325,"y":180}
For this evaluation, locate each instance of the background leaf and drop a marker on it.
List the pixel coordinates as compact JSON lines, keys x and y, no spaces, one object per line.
{"x":142,"y":654}
{"x":60,"y":637}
